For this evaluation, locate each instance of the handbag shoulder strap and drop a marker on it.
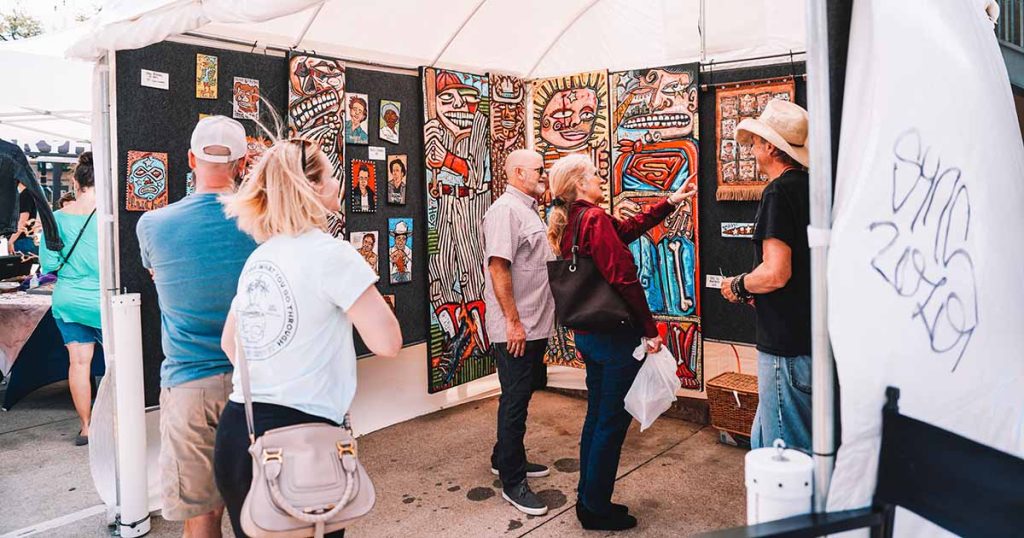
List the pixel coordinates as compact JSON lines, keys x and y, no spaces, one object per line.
{"x":243,"y":369}
{"x":576,"y":236}
{"x":75,"y":244}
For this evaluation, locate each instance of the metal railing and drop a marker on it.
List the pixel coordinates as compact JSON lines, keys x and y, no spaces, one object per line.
{"x":1011,"y":22}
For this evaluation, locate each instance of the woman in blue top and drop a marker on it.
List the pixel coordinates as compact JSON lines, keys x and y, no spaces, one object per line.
{"x":76,"y":297}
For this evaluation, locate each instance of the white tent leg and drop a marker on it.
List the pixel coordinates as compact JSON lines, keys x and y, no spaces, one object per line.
{"x":820,"y":133}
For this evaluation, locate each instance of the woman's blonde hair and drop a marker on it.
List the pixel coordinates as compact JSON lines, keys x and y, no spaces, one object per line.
{"x":562,"y":180}
{"x":278,"y":196}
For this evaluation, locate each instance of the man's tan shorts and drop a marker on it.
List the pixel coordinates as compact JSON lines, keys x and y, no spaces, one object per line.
{"x":189,"y":414}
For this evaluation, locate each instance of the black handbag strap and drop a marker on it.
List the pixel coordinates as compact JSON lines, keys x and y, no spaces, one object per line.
{"x":75,"y":244}
{"x":576,"y":239}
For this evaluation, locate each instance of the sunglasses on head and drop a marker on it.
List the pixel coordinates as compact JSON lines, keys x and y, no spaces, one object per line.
{"x":302,"y":144}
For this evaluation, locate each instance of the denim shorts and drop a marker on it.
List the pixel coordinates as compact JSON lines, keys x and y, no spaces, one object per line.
{"x":77,"y":333}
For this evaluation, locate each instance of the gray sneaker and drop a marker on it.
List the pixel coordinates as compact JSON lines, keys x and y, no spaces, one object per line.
{"x":533,"y":470}
{"x":524,"y":499}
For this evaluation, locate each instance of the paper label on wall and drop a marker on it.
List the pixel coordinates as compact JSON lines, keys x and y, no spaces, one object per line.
{"x":378,"y":153}
{"x":713,"y":281}
{"x":155,"y":79}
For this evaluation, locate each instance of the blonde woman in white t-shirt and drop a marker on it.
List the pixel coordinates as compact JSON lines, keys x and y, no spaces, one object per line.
{"x":299,"y":295}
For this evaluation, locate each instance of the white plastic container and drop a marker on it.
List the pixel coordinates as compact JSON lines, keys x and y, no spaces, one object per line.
{"x":779,"y":483}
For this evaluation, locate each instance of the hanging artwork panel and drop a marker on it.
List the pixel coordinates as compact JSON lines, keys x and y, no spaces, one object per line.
{"x":738,"y":230}
{"x":245,"y":99}
{"x":316,"y":96}
{"x":357,"y":118}
{"x":363,"y":192}
{"x":400,"y":245}
{"x":366,"y":243}
{"x":458,"y":179}
{"x":397,"y":178}
{"x":683,"y":340}
{"x":146,"y":182}
{"x":390,"y":120}
{"x":738,"y":175}
{"x":206,"y":76}
{"x":508,"y":125}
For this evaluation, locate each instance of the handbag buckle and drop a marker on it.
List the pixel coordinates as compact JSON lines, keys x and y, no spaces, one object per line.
{"x":346,"y":448}
{"x":273,"y":454}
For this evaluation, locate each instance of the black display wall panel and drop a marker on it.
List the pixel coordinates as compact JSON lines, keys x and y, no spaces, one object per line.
{"x":150,"y":119}
{"x":721,"y":320}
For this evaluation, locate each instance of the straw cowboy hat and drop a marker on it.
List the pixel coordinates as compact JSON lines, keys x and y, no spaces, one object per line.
{"x":782,"y":123}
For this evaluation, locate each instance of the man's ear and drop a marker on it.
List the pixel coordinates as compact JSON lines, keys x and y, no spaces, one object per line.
{"x":191,"y":160}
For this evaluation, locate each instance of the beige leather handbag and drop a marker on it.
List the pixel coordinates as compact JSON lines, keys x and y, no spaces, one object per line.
{"x":306,"y":479}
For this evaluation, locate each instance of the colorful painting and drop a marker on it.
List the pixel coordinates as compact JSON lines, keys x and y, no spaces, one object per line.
{"x":561,"y":350}
{"x":738,"y":230}
{"x":190,"y":183}
{"x":390,"y":300}
{"x":366,"y":244}
{"x":400,"y":250}
{"x":316,"y":94}
{"x":458,"y":179}
{"x":738,"y":175}
{"x":683,"y":339}
{"x":508,"y":125}
{"x":357,"y":118}
{"x":570,"y":115}
{"x":364,"y":186}
{"x":398,"y":172}
{"x":146,"y":182}
{"x":206,"y":76}
{"x":390,"y":120}
{"x":256,"y":145}
{"x":245,"y":101}
{"x":654,"y":131}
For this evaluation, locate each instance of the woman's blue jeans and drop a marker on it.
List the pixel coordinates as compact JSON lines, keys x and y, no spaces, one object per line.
{"x":611,"y":369}
{"x":784,"y":401}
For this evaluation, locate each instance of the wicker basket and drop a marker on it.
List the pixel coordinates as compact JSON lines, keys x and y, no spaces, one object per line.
{"x":733,"y":401}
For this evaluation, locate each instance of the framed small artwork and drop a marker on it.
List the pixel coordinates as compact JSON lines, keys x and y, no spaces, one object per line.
{"x":357,"y":118}
{"x":363,"y":191}
{"x":366,"y":244}
{"x":738,"y":230}
{"x":400,"y":250}
{"x":390,"y":114}
{"x":146,"y":185}
{"x":390,"y":300}
{"x":746,"y":171}
{"x":206,"y":76}
{"x":397,"y":177}
{"x":728,"y":150}
{"x":245,"y":101}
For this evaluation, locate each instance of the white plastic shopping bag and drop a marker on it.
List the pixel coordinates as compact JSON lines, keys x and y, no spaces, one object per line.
{"x":654,"y":388}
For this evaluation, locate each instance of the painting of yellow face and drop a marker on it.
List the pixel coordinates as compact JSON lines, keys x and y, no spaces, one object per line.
{"x":568,"y":118}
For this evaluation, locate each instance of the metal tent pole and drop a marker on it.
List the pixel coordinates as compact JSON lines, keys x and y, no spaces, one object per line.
{"x":820,"y":134}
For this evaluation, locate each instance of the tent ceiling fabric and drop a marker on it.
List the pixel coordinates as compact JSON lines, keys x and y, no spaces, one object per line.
{"x":503,"y":35}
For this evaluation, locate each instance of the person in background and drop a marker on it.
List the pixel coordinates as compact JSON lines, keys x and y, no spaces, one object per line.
{"x":577,"y":187}
{"x":521,"y":318}
{"x":779,"y":286}
{"x":65,"y":199}
{"x":302,"y":365}
{"x":23,"y":239}
{"x":195,"y":254}
{"x":76,"y":296}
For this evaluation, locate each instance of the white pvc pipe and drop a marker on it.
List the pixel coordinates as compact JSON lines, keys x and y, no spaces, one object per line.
{"x":132,"y":483}
{"x":820,"y":133}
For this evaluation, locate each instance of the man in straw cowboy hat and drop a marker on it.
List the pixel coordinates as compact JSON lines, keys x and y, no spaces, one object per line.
{"x":779,"y":286}
{"x":401,"y":255}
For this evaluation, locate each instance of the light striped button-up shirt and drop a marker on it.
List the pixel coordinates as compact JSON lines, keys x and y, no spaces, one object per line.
{"x":512,"y":230}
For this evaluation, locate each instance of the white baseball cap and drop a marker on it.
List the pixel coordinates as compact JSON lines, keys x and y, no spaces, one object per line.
{"x":219,"y":131}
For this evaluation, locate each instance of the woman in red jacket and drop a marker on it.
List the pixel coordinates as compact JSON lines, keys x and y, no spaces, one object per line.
{"x":611,"y":368}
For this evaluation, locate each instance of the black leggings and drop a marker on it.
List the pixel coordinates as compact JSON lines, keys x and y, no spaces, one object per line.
{"x":232,"y":464}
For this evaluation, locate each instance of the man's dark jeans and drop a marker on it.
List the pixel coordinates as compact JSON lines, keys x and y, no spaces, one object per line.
{"x":519,"y":377}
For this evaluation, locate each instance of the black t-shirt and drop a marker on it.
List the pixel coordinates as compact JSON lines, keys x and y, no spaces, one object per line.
{"x":784,"y":315}
{"x":27,"y":204}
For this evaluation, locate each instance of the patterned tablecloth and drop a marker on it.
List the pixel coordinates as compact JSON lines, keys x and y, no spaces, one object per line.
{"x":20,"y":313}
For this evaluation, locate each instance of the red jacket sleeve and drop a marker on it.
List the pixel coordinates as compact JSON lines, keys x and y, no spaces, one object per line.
{"x":600,"y":239}
{"x":631,"y":229}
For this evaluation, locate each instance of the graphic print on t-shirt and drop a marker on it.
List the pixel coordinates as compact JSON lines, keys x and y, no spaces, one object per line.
{"x":266,"y":312}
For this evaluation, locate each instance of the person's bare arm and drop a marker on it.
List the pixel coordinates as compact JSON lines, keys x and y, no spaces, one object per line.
{"x":773,"y":273}
{"x":376,"y":323}
{"x":501,"y":278}
{"x":227,"y":338}
{"x":22,"y":230}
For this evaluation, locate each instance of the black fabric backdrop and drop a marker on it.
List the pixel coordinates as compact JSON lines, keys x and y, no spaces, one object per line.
{"x":150,"y":119}
{"x":721,"y":320}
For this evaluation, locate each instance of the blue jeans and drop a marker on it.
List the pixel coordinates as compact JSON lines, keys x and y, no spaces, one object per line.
{"x":611,"y":369}
{"x":784,"y":405}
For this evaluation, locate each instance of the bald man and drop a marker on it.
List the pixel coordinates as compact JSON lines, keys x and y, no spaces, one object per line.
{"x":520,"y":318}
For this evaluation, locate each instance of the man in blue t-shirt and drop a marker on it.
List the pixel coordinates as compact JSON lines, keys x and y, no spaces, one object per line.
{"x":195,"y":255}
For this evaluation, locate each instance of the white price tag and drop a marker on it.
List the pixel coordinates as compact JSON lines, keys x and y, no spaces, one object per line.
{"x":155,"y":79}
{"x":378,"y":153}
{"x":713,"y":281}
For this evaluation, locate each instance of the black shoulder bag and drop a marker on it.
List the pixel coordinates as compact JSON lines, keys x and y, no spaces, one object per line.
{"x":56,"y":271}
{"x":584,"y":300}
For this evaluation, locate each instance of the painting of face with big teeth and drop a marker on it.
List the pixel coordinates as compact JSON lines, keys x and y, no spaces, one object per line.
{"x":662,"y":101}
{"x":316,"y":89}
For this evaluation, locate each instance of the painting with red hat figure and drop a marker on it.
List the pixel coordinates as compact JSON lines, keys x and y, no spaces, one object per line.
{"x":508,"y":125}
{"x":738,"y":175}
{"x":654,"y":132}
{"x":458,"y":177}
